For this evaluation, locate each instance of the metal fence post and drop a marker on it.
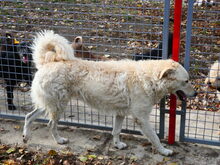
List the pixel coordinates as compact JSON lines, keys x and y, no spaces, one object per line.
{"x":164,"y":56}
{"x":165,"y":28}
{"x":186,"y":64}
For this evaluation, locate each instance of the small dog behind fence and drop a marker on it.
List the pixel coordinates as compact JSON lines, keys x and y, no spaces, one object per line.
{"x":15,"y":65}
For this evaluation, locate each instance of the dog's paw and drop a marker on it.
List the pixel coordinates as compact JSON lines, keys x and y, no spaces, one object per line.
{"x":166,"y":152}
{"x":25,"y":139}
{"x":120,"y":145}
{"x":26,"y":134}
{"x":62,"y":140}
{"x":11,"y":107}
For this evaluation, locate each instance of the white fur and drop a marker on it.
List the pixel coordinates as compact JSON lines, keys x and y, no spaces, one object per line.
{"x":46,"y":43}
{"x":213,"y":79}
{"x":118,"y":87}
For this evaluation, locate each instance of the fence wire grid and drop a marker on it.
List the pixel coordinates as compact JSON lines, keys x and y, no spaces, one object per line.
{"x":202,"y":122}
{"x":114,"y":30}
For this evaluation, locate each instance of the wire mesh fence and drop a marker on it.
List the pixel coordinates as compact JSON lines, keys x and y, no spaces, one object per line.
{"x":111,"y":30}
{"x":202,"y":114}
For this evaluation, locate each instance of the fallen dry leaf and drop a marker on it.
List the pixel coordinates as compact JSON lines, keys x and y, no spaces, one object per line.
{"x":17,"y":127}
{"x":146,"y":144}
{"x":166,"y":159}
{"x":10,"y":162}
{"x":10,"y":150}
{"x":97,"y":137}
{"x":66,"y":162}
{"x":83,"y":158}
{"x":172,"y":163}
{"x":52,"y":153}
{"x":2,"y":147}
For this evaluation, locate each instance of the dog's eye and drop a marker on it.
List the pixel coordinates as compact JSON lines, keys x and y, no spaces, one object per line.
{"x":186,"y":81}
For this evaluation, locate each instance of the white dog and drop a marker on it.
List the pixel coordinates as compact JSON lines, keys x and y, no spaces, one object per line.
{"x":213,"y":79}
{"x":120,"y":87}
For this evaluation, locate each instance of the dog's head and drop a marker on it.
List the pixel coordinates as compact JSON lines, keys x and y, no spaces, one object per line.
{"x":8,"y":44}
{"x":25,"y":52}
{"x":83,"y":52}
{"x":80,"y":50}
{"x":8,"y":39}
{"x":177,"y":80}
{"x":213,"y":79}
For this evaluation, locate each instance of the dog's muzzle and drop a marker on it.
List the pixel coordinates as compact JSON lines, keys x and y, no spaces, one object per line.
{"x":195,"y":94}
{"x":182,"y":96}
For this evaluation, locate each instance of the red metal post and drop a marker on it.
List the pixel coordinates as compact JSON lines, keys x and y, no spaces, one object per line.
{"x":175,"y":57}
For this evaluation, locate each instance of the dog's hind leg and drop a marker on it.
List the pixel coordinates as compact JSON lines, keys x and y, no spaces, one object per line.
{"x":28,"y":120}
{"x":54,"y":110}
{"x":143,"y":120}
{"x":56,"y":136}
{"x":117,"y":126}
{"x":10,"y":96}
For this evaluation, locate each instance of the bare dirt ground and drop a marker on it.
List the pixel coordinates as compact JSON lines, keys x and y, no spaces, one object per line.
{"x":89,"y":146}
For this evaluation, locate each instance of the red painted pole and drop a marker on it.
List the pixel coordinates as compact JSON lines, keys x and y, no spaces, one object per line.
{"x":175,"y":57}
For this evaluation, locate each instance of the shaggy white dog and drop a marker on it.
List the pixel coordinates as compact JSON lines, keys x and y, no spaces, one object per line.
{"x":213,"y":79}
{"x":118,"y":87}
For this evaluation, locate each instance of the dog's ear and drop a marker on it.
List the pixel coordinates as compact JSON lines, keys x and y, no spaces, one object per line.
{"x":166,"y":73}
{"x":9,"y":39}
{"x":8,"y":35}
{"x":77,"y":42}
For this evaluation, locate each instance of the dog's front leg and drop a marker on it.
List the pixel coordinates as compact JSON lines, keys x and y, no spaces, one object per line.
{"x":28,"y":120}
{"x":56,"y":136}
{"x":152,"y":136}
{"x":117,"y":126}
{"x":147,"y":130}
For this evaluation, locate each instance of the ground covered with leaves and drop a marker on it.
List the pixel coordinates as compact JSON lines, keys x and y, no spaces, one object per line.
{"x":15,"y":155}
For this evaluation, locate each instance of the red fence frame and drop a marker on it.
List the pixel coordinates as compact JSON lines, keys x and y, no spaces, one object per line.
{"x":175,"y":57}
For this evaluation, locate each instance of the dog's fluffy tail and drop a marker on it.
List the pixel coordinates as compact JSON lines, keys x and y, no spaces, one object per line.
{"x":50,"y":47}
